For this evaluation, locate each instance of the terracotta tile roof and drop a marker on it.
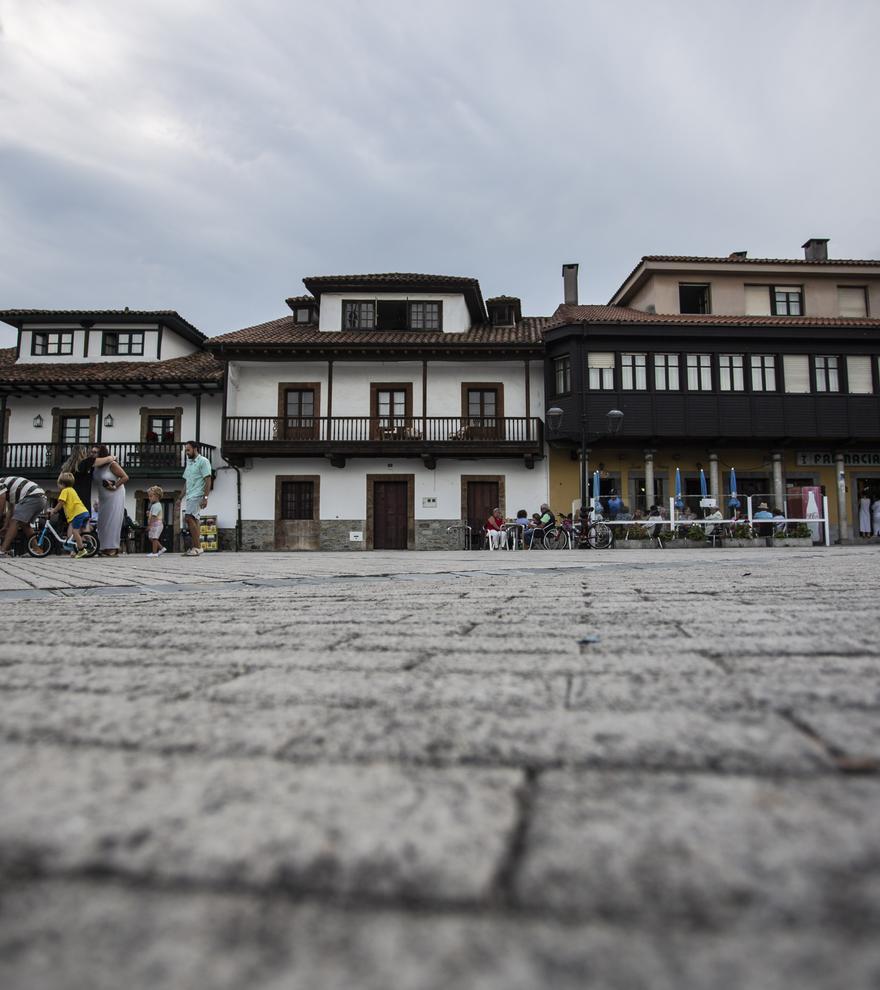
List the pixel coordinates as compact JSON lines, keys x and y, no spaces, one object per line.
{"x":300,"y":301}
{"x":169,"y":317}
{"x":284,"y":331}
{"x":197,"y":367}
{"x":385,"y":278}
{"x":739,"y":260}
{"x":566,"y":315}
{"x":502,"y":299}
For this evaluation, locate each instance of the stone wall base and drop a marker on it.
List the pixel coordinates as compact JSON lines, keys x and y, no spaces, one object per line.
{"x":335,"y":534}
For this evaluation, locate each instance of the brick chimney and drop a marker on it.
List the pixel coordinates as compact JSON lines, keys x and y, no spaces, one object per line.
{"x":816,"y":249}
{"x":570,"y":282}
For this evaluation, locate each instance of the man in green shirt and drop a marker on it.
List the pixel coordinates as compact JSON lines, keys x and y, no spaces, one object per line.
{"x":198,"y":475}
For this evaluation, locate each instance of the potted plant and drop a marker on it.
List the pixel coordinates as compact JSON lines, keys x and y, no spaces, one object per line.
{"x":741,"y":535}
{"x":152,"y":437}
{"x":633,"y":537}
{"x":796,"y":535}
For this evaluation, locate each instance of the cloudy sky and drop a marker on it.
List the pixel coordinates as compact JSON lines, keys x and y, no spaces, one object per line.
{"x":205,"y":155}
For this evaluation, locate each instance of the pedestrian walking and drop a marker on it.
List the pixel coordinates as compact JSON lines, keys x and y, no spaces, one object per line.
{"x":155,"y":520}
{"x":75,"y":512}
{"x":199,"y":477}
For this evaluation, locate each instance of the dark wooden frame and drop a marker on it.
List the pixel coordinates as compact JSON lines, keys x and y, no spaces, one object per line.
{"x":483,"y":432}
{"x":145,"y":414}
{"x":502,"y":493}
{"x":298,"y":432}
{"x":683,"y":371}
{"x":703,"y":285}
{"x":130,"y":353}
{"x":410,"y":480}
{"x":376,"y":427}
{"x":652,"y":371}
{"x":556,"y":360}
{"x":59,"y":413}
{"x":52,"y":333}
{"x":280,"y":479}
{"x":419,"y":302}
{"x":803,"y":295}
{"x":347,"y":302}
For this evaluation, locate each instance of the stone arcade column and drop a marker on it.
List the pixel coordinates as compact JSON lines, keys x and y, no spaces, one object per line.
{"x":842,"y":507}
{"x":649,"y":478}
{"x":714,"y":477}
{"x":778,"y":489}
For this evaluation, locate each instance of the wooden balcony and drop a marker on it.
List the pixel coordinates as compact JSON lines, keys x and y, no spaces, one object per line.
{"x":401,"y":436}
{"x":44,"y":460}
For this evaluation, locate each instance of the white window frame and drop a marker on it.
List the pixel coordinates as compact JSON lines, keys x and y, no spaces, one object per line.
{"x":826,"y":371}
{"x":634,"y":372}
{"x":667,"y":375}
{"x":699,"y":372}
{"x":763,"y":372}
{"x":731,"y":373}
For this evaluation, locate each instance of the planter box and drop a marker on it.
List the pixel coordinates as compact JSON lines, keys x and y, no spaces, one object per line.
{"x":634,"y":544}
{"x":792,"y":541}
{"x":745,"y":544}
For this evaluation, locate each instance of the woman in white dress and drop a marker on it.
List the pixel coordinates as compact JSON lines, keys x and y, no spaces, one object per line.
{"x":865,"y":514}
{"x":111,"y":481}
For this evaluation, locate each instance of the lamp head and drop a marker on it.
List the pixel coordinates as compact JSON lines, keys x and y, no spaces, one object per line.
{"x":554,"y":417}
{"x":615,"y":421}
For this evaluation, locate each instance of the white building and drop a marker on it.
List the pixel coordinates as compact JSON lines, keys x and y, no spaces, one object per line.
{"x":381,"y":411}
{"x":139,"y":382}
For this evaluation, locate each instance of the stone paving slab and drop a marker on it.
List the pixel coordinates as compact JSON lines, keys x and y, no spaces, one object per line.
{"x":706,"y":850}
{"x":374,"y":830}
{"x":431,"y":770}
{"x":68,"y":936}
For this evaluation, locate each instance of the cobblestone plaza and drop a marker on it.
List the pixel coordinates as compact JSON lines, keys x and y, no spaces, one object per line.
{"x":417,"y":771}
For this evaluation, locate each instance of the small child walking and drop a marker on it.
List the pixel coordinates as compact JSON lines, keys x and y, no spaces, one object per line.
{"x":75,"y":512}
{"x":155,"y":520}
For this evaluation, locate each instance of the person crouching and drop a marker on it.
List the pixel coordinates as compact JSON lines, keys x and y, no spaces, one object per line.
{"x":75,"y":512}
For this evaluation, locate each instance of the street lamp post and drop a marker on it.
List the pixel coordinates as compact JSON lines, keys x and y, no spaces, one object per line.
{"x":555,"y":416}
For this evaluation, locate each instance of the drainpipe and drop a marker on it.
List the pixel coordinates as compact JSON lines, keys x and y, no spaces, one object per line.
{"x":842,"y":508}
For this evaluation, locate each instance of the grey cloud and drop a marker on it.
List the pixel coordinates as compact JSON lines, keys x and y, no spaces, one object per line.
{"x":205,"y":156}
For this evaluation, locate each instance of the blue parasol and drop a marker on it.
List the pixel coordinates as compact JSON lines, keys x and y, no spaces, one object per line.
{"x":679,"y":501}
{"x":733,"y":502}
{"x":704,"y":488}
{"x":597,"y":505}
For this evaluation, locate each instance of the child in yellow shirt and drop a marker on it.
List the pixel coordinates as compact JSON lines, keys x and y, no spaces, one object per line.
{"x":76,"y":514}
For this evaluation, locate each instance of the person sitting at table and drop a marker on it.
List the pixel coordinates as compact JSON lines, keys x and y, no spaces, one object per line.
{"x":779,"y":523}
{"x":495,"y":530}
{"x":518,"y":527}
{"x":533,"y":527}
{"x":718,"y":518}
{"x":763,"y":518}
{"x":655,"y":515}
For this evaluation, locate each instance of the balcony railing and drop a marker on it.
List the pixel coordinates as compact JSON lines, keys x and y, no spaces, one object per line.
{"x":414,"y":431}
{"x":136,"y":458}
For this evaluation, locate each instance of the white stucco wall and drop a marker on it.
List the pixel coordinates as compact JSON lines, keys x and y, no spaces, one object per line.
{"x":151,"y":344}
{"x":456,"y":318}
{"x":343,"y":492}
{"x":253,"y":387}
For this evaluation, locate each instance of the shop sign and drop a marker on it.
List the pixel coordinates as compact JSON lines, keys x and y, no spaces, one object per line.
{"x":818,"y":458}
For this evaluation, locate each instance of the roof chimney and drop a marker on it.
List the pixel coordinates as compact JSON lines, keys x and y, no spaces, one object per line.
{"x":570,"y":281}
{"x":816,"y":249}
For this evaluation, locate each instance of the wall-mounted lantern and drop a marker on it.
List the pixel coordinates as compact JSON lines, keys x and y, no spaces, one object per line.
{"x":38,"y":422}
{"x":108,"y":421}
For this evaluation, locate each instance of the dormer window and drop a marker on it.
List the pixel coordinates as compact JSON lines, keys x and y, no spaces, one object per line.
{"x":359,"y":315}
{"x":123,"y":342}
{"x":504,"y":311}
{"x":303,"y":314}
{"x":502,"y":316}
{"x":425,"y":316}
{"x":52,"y":343}
{"x":391,"y":314}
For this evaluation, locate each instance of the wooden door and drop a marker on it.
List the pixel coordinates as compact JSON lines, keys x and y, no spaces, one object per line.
{"x":482,"y":498}
{"x":390,"y":522}
{"x":483,"y":414}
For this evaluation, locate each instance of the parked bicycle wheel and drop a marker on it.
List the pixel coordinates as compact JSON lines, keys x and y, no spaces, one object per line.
{"x":37,"y":549}
{"x":555,"y":538}
{"x":90,"y":544}
{"x":600,"y":536}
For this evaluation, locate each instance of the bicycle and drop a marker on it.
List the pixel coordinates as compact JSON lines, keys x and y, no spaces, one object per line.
{"x":556,"y":538}
{"x":48,"y":539}
{"x":597,"y":535}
